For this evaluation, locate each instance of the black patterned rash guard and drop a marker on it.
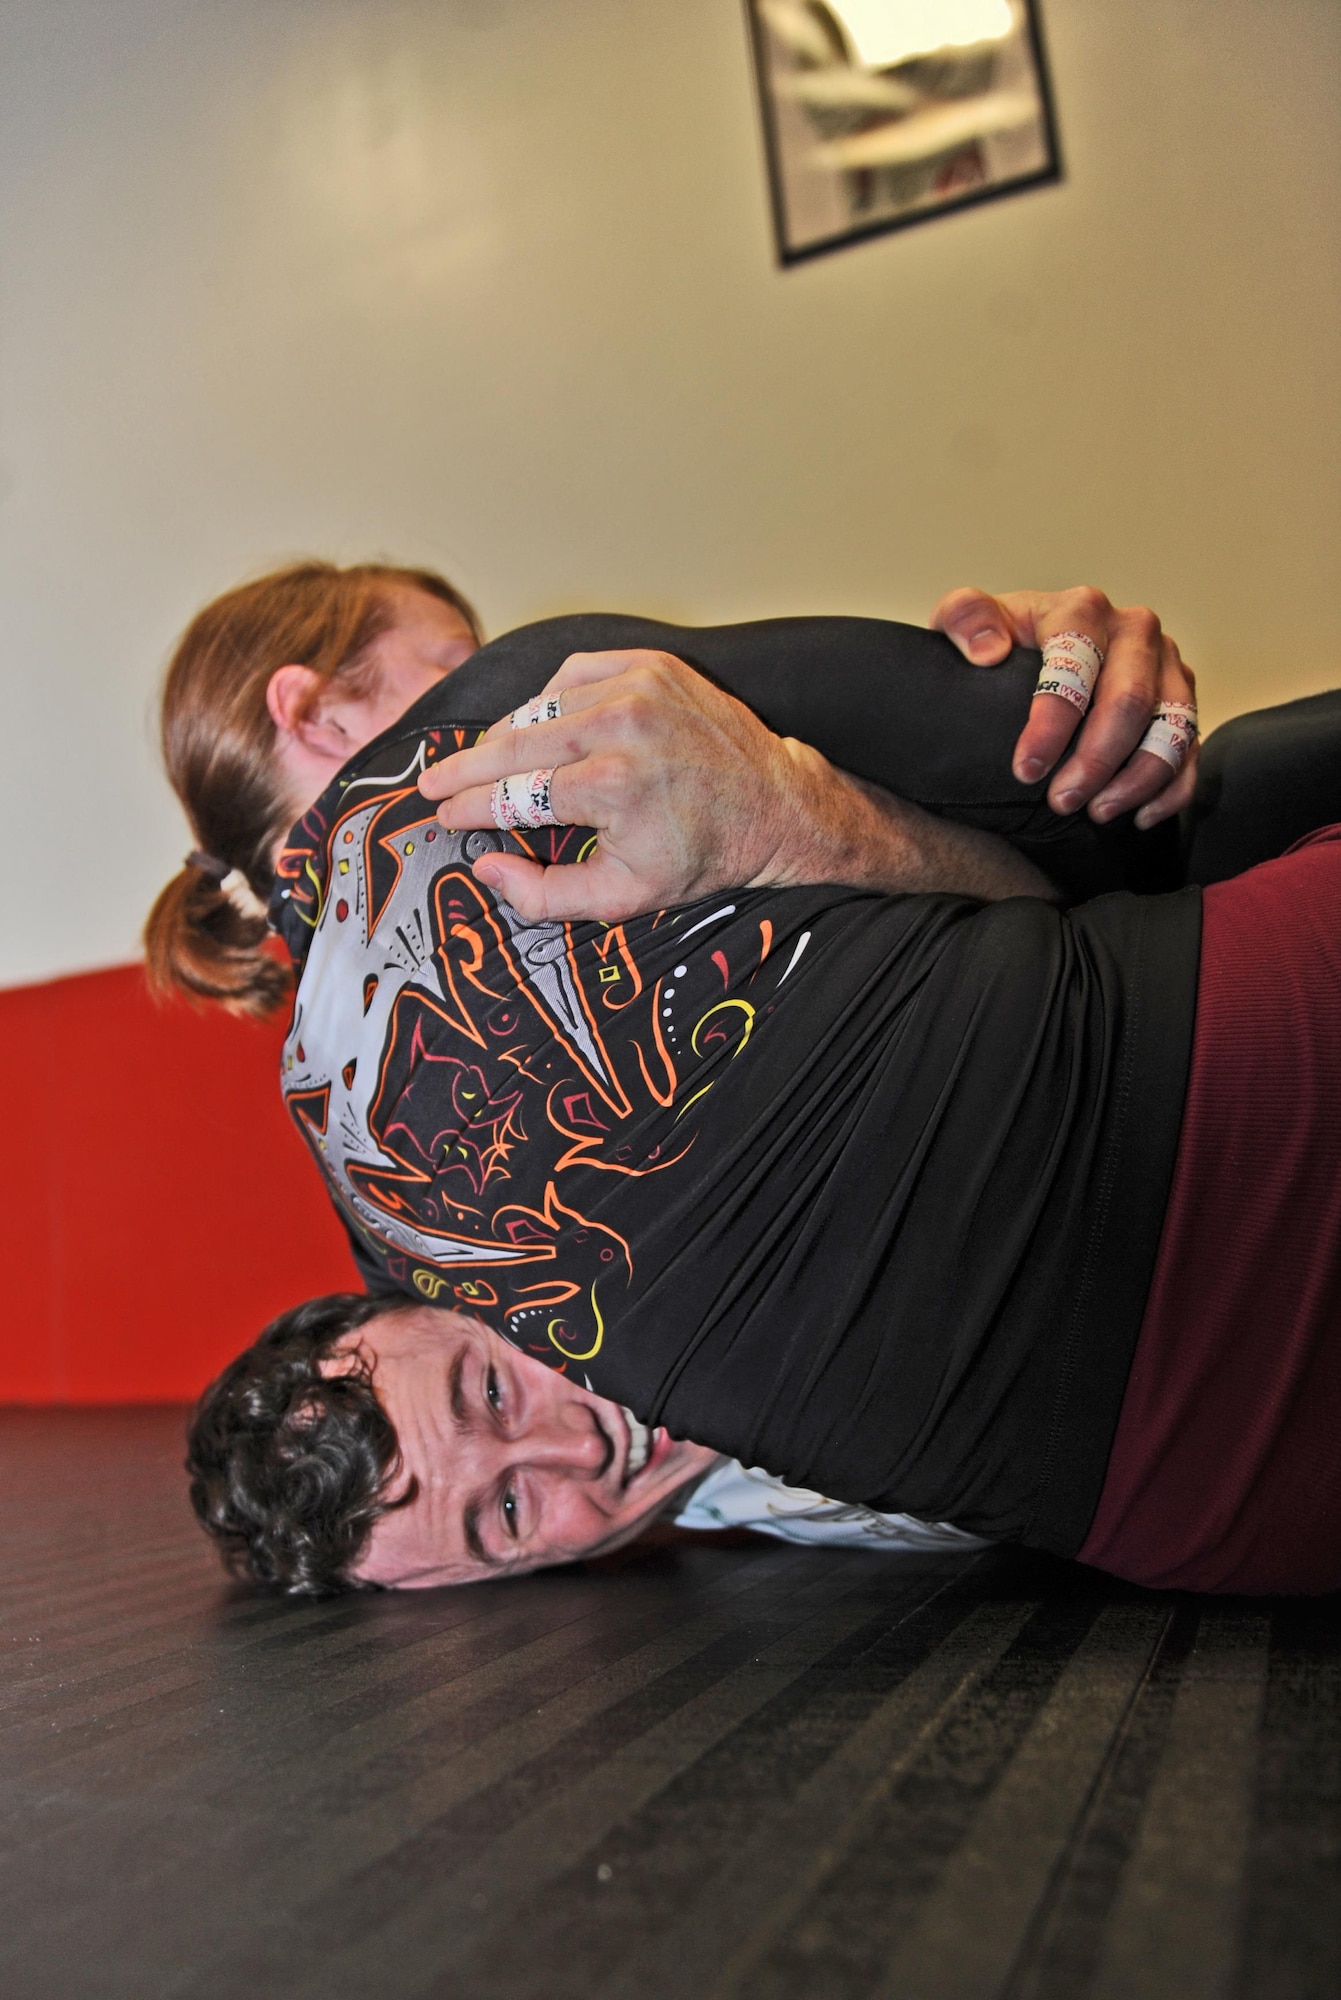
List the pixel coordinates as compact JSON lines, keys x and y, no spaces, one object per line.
{"x":862,"y":1189}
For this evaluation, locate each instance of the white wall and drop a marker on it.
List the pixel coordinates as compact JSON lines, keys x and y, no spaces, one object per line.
{"x":489,"y":283}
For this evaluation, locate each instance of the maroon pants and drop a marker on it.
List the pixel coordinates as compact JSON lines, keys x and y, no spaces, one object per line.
{"x":1225,"y":1472}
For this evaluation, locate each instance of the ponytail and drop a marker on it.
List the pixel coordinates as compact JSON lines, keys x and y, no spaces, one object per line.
{"x":207,"y":933}
{"x":203,"y":939}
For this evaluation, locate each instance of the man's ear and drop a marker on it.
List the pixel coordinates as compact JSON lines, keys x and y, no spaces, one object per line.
{"x":349,"y":1356}
{"x":293,"y":695}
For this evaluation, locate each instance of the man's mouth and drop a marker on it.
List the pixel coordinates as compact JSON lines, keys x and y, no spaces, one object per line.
{"x":641,"y":1440}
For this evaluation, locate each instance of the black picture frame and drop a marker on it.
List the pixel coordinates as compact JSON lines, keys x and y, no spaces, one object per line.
{"x":864,"y":201}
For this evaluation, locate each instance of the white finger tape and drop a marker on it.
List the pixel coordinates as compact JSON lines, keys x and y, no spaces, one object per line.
{"x":1071,"y":664}
{"x":541,"y":708}
{"x":523,"y":801}
{"x":1172,"y":733}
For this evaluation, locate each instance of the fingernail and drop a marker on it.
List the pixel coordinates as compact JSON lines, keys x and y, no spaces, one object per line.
{"x":1066,"y":802}
{"x":1029,"y":768}
{"x":1102,"y":809}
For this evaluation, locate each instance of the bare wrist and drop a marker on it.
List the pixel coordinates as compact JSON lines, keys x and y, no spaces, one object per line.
{"x":828,"y":827}
{"x":841,"y":829}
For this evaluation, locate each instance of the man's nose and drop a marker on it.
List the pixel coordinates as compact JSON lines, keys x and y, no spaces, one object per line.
{"x":568,"y":1439}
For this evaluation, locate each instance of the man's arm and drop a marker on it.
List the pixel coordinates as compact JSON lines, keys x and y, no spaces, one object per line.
{"x":877,"y":841}
{"x":691,"y":793}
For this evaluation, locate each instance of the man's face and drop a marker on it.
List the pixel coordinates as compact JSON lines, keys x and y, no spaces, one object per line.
{"x":517,"y":1466}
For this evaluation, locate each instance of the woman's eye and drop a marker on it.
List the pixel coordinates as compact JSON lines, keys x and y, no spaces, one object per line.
{"x":510,"y":1511}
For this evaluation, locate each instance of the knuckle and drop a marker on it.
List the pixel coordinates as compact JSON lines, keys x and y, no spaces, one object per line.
{"x":653,"y":670}
{"x":963,"y":602}
{"x":1142,"y":624}
{"x":629,"y":717}
{"x":1178,"y":672}
{"x":1089,"y":771}
{"x":1129,"y":708}
{"x":1089,"y":602}
{"x":614,"y":781}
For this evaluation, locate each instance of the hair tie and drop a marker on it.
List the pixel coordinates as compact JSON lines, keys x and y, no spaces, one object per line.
{"x":209,"y":864}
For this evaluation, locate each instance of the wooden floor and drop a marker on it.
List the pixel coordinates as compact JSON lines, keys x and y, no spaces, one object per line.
{"x":755,"y":1772}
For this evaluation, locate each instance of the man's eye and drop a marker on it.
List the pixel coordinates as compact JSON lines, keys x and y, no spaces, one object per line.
{"x":510,"y":1511}
{"x":493,"y":1391}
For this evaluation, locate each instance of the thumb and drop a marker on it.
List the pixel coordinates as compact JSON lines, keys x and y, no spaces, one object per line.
{"x":599,"y":889}
{"x":977,"y":625}
{"x":515,"y":880}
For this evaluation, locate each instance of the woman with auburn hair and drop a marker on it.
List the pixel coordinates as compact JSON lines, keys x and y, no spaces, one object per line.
{"x":236,"y":719}
{"x":959,"y":1203}
{"x":274,"y":684}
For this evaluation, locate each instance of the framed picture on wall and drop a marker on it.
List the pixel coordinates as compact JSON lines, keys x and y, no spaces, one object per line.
{"x":880,"y":113}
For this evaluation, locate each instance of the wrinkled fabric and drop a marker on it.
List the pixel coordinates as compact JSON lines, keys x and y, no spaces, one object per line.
{"x":863,"y":1190}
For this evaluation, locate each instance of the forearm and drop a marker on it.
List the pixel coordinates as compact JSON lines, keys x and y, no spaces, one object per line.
{"x":691,"y":792}
{"x":846,"y":830}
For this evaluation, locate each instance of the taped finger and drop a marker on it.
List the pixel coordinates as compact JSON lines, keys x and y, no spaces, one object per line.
{"x":1172,"y":733}
{"x":523,"y":800}
{"x":541,"y":708}
{"x":1071,"y":664}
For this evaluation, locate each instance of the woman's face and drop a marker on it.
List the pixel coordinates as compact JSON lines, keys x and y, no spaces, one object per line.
{"x":428,"y":640}
{"x":314,"y":740}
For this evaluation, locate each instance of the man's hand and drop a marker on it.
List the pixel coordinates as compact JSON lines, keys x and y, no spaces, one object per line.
{"x":691,"y":793}
{"x":1142,"y":666}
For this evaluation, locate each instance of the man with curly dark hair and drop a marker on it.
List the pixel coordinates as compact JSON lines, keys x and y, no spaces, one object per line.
{"x":288,"y":1460}
{"x":295,"y":1460}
